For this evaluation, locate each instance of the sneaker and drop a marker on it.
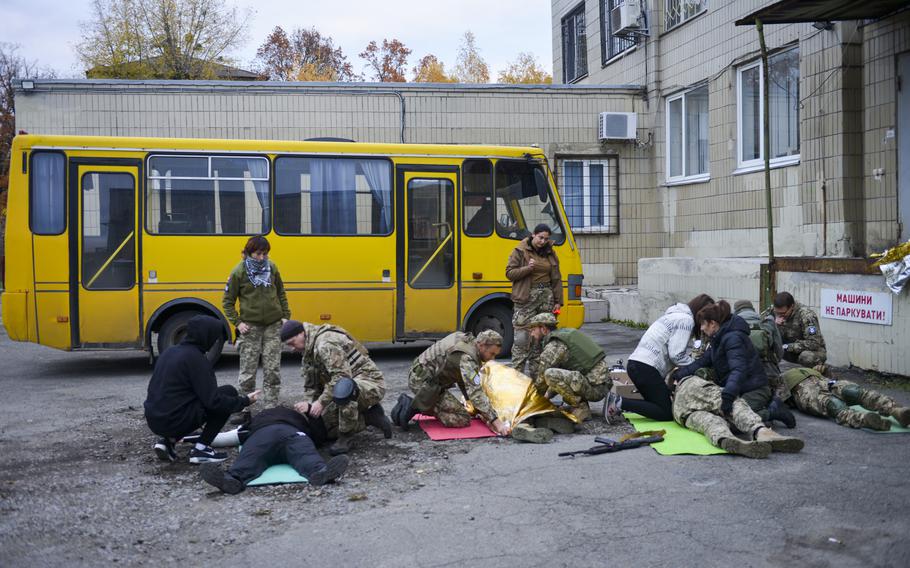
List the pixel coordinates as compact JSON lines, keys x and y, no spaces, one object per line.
{"x":213,"y":475}
{"x":208,"y":455}
{"x":332,"y":470}
{"x":612,"y":411}
{"x":165,"y":451}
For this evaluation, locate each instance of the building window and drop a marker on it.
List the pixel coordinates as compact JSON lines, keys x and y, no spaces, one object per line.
{"x":574,"y":45}
{"x":680,"y":11}
{"x":783,"y":104}
{"x":611,"y":45}
{"x":590,"y":194}
{"x":687,"y":135}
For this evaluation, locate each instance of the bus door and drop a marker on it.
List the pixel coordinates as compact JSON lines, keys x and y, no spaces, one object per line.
{"x":104,"y":250}
{"x":428,"y":299}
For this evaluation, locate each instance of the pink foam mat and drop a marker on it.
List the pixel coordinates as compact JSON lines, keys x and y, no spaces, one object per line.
{"x":436,"y":431}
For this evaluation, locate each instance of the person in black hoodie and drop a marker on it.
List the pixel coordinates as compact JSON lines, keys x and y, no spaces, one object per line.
{"x":278,"y":435}
{"x":184,"y":395}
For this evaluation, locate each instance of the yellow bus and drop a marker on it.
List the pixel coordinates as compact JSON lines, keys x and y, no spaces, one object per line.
{"x":116,"y":242}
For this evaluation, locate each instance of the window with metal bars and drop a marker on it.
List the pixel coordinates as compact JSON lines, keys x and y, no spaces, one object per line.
{"x":574,"y":45}
{"x":680,"y":11}
{"x":611,"y":45}
{"x":589,"y":192}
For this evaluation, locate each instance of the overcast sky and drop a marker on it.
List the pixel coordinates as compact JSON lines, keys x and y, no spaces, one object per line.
{"x":47,"y":30}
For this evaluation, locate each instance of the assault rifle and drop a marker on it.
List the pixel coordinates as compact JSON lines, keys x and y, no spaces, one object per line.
{"x":628,"y":442}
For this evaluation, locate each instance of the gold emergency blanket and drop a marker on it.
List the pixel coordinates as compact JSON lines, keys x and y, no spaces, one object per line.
{"x":513,"y":396}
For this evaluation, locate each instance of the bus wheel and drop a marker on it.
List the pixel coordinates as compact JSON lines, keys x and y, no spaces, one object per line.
{"x":498,"y":318}
{"x":173,"y":331}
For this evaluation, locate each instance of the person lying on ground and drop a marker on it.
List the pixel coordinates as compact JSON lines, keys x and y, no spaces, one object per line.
{"x":453,"y":360}
{"x":664,"y":345}
{"x":341,"y":383}
{"x":571,"y":365}
{"x":183,"y":394}
{"x":817,"y":395}
{"x":278,"y":435}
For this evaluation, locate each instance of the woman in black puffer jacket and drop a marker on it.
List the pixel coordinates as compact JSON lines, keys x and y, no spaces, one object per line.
{"x":737,"y":367}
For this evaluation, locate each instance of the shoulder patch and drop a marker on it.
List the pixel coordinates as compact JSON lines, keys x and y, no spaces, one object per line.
{"x":812,"y":330}
{"x":477,"y":379}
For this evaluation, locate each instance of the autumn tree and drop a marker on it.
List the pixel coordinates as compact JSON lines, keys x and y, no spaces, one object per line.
{"x":525,"y":69}
{"x":306,"y":55}
{"x":470,"y":66}
{"x":161,"y":39}
{"x":431,"y":70}
{"x":387,"y":63}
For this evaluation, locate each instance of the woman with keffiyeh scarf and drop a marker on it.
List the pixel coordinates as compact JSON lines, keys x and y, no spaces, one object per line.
{"x":257,"y":284}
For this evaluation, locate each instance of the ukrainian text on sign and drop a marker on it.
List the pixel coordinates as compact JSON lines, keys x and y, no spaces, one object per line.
{"x":856,"y":305}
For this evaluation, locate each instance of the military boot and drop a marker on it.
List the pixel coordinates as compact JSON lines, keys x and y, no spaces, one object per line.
{"x":341,"y":446}
{"x":527,"y":433}
{"x":787,"y":444}
{"x":582,"y":411}
{"x":375,"y":417}
{"x":874,"y":421}
{"x":332,"y":470}
{"x":777,"y":410}
{"x":556,"y":422}
{"x":403,"y":411}
{"x":902,"y":415}
{"x":739,"y":447}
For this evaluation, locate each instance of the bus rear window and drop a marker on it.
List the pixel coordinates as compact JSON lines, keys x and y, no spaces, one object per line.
{"x":48,"y":193}
{"x":333,"y":196}
{"x":207,"y":195}
{"x":524,"y":200}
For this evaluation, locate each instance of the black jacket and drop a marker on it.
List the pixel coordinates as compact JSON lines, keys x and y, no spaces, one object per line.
{"x":735,"y":361}
{"x":183,"y":387}
{"x":312,"y":427}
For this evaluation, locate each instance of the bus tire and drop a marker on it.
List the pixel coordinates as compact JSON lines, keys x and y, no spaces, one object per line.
{"x":498,"y":318}
{"x":174,"y":329}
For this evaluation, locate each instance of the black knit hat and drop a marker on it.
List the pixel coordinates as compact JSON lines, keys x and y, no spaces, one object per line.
{"x":291,"y":328}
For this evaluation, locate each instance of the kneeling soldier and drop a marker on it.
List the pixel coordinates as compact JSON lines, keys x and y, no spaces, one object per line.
{"x":453,"y":360}
{"x":814,"y":394}
{"x":571,"y":365}
{"x":340,"y":380}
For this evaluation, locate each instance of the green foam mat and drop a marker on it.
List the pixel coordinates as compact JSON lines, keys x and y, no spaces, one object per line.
{"x":281,"y":473}
{"x":896,"y":427}
{"x":677,"y":441}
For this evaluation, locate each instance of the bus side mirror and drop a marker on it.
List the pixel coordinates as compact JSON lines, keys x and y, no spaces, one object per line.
{"x":543,"y":187}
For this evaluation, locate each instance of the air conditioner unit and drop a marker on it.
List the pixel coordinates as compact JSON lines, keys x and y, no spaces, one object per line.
{"x":625,"y":17}
{"x":618,"y":126}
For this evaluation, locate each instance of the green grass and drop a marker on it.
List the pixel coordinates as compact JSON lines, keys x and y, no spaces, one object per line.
{"x":627,"y":323}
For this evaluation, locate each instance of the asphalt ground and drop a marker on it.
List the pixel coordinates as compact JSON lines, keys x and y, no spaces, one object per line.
{"x":79,"y":486}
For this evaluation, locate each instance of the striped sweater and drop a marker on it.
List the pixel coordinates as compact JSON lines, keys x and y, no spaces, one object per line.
{"x":665,"y":344}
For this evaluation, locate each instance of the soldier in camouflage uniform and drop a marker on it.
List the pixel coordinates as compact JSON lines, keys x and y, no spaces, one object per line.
{"x":533,"y":269}
{"x":814,"y":394}
{"x":697,"y":406}
{"x":453,"y":360}
{"x":256,"y":285}
{"x":341,"y":382}
{"x":802,"y":337}
{"x":571,"y":365}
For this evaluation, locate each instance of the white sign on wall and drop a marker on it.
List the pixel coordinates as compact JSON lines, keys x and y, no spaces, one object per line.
{"x":856,"y":305}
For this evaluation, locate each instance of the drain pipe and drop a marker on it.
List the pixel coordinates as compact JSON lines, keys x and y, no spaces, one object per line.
{"x":768,"y":291}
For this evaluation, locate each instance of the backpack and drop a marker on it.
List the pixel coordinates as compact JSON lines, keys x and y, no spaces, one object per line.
{"x":761,"y":340}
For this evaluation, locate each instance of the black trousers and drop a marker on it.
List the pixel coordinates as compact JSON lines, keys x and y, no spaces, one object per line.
{"x":656,"y":404}
{"x":211,"y":422}
{"x":275,"y":444}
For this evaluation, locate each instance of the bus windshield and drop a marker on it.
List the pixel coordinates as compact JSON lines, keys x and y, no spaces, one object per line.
{"x":523,"y":200}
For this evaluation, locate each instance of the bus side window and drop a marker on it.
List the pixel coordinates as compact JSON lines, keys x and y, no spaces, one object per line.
{"x":477,"y":198}
{"x":48,"y":193}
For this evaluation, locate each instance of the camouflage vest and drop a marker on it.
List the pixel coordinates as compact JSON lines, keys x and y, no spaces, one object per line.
{"x":443,"y":358}
{"x":795,"y":376}
{"x":356,"y":354}
{"x":583,"y":352}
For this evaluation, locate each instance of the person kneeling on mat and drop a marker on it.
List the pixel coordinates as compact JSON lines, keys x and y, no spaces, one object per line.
{"x":183,"y":394}
{"x":278,"y":435}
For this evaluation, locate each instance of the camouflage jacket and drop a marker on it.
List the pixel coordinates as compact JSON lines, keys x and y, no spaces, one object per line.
{"x":332,"y":354}
{"x":458,"y":347}
{"x":801,"y":332}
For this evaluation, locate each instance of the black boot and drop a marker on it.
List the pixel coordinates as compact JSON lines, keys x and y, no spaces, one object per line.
{"x":213,"y":475}
{"x":778,"y":411}
{"x":375,"y":417}
{"x":341,"y":446}
{"x":332,"y":470}
{"x":403,"y":411}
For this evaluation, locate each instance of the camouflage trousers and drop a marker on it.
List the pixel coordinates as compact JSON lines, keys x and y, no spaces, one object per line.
{"x":432,"y":399}
{"x":807,"y":358}
{"x":575,"y":387}
{"x":813,"y":396}
{"x":261,"y":342}
{"x":524,"y":350}
{"x":347,"y":419}
{"x":697,"y":407}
